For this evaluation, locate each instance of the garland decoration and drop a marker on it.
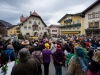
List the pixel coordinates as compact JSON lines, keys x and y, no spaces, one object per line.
{"x":4,"y":69}
{"x":16,"y":61}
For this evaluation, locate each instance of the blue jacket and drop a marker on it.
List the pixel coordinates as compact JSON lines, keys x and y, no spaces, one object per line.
{"x":11,"y":54}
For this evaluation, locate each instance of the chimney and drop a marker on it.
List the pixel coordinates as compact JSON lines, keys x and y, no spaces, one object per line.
{"x":22,"y":16}
{"x":30,"y":12}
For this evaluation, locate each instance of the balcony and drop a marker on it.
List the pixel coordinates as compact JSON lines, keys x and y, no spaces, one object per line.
{"x":68,"y":21}
{"x":75,"y":25}
{"x":72,"y":25}
{"x":62,"y":26}
{"x":71,"y":30}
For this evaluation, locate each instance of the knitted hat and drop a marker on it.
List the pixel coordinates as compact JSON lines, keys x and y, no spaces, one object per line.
{"x":47,"y":45}
{"x":58,"y":46}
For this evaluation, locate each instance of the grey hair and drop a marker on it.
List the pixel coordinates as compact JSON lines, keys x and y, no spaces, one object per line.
{"x":23,"y":53}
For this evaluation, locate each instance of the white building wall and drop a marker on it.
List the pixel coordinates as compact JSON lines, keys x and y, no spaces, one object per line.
{"x":94,"y":9}
{"x":33,"y":19}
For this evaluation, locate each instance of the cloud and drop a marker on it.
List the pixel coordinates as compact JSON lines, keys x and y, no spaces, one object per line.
{"x":50,"y":10}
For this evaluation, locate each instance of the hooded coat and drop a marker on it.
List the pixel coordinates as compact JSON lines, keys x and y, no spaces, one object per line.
{"x":37,"y":55}
{"x":58,"y":56}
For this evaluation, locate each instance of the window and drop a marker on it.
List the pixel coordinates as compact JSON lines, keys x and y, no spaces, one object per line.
{"x":96,"y":15}
{"x":96,"y":25}
{"x":18,"y":31}
{"x":78,"y":21}
{"x":25,"y":27}
{"x":90,"y":25}
{"x":30,"y":22}
{"x":91,"y":16}
{"x":29,"y":28}
{"x":39,"y":23}
{"x":78,"y":27}
{"x":54,"y":30}
{"x":42,"y":28}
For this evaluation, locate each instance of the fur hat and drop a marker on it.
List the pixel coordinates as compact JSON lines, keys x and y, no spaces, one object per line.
{"x":26,"y":42}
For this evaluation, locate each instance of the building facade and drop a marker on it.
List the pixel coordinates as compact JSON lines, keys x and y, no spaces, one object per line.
{"x":13,"y":31}
{"x":54,"y":30}
{"x":72,"y":24}
{"x":92,"y":19}
{"x":32,"y":25}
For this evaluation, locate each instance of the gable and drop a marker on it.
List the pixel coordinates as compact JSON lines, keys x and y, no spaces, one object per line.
{"x":31,"y":19}
{"x":91,"y":6}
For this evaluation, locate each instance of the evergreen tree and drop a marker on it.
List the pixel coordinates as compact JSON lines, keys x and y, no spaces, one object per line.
{"x":20,"y":36}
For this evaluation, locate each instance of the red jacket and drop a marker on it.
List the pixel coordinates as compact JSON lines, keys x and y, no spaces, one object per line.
{"x":87,"y":44}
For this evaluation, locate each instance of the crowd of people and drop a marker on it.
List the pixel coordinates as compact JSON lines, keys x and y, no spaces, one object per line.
{"x":79,"y":55}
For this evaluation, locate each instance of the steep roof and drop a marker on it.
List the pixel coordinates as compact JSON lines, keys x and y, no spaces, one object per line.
{"x":77,"y":14}
{"x":91,"y":6}
{"x":13,"y":26}
{"x":35,"y":15}
{"x":22,"y":18}
{"x":6,"y":24}
{"x":53,"y":26}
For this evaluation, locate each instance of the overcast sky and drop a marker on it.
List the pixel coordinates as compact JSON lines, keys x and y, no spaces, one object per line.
{"x":50,"y":10}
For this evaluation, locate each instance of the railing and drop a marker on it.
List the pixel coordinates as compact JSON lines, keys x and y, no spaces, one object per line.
{"x":72,"y":25}
{"x":71,"y":30}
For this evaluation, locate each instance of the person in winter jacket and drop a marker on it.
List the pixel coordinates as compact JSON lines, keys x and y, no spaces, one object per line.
{"x":46,"y":58}
{"x":26,"y":65}
{"x":94,"y":65}
{"x":78,"y":63}
{"x":10,"y":53}
{"x":38,"y":57}
{"x":58,"y":59}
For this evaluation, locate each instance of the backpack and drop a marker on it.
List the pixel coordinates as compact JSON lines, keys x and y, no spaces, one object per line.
{"x":4,"y":57}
